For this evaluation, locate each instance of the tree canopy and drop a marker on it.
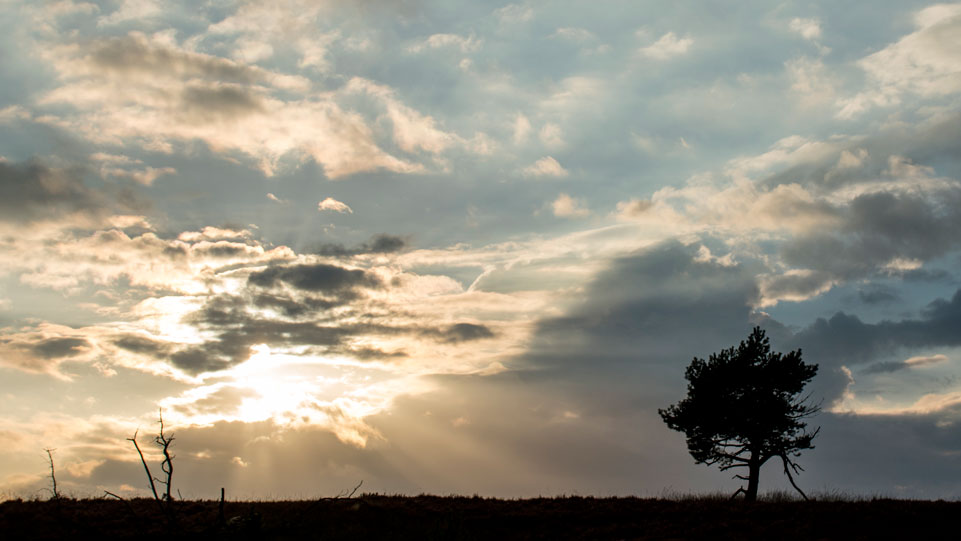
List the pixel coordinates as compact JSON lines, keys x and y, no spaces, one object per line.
{"x":743,"y":408}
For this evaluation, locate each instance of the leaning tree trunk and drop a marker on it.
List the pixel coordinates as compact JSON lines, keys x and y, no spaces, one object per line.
{"x":754,"y":473}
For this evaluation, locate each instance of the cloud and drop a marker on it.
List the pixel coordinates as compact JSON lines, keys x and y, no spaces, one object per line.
{"x":810,"y":79}
{"x":566,"y":206}
{"x":925,"y":63}
{"x":895,"y":366}
{"x":878,"y":294}
{"x":332,"y":204}
{"x":573,"y":34}
{"x":379,"y":244}
{"x":149,"y":92}
{"x":318,"y":277}
{"x":551,"y":135}
{"x":514,"y":13}
{"x":806,"y":28}
{"x":412,"y":130}
{"x":545,"y":167}
{"x":633,"y":208}
{"x":522,"y":128}
{"x":438,"y":41}
{"x":667,"y":46}
{"x":461,"y":332}
{"x":131,"y":10}
{"x":44,"y":348}
{"x":845,"y":340}
{"x":33,"y":191}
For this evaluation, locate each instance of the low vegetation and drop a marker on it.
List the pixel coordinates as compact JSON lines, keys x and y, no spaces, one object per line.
{"x":371,"y":516}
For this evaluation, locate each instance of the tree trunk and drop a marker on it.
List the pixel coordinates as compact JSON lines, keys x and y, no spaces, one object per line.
{"x":754,"y":473}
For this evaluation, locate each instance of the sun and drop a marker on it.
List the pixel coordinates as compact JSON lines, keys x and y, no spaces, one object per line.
{"x":295,"y":390}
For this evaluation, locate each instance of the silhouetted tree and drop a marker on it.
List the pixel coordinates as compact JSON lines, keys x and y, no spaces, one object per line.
{"x":742,"y":409}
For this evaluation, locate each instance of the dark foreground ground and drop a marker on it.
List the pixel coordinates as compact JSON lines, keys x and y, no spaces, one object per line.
{"x":431,"y":517}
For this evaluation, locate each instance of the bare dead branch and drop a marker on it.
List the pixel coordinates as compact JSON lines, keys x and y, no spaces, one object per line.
{"x":787,"y":471}
{"x":167,"y":466}
{"x":351,"y":495}
{"x":53,"y":474}
{"x":150,"y":477}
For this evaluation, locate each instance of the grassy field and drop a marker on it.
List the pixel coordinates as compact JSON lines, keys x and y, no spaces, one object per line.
{"x":431,"y":517}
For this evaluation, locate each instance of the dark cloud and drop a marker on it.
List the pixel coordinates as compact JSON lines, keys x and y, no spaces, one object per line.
{"x":886,"y":367}
{"x":318,"y":277}
{"x":290,"y":307}
{"x":33,"y":191}
{"x":659,"y":305}
{"x":228,"y":350}
{"x":209,"y":103}
{"x":133,"y":54}
{"x":879,"y":228}
{"x":55,"y":348}
{"x":929,"y":143}
{"x":878,"y":294}
{"x":845,"y":340}
{"x":460,"y":332}
{"x":912,"y":456}
{"x":141,"y":345}
{"x":378,"y":244}
{"x":302,"y":322}
{"x":928,"y":275}
{"x":222,"y":250}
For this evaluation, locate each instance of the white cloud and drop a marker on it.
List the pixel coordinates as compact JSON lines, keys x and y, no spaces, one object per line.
{"x":667,"y":46}
{"x":412,"y":130}
{"x":130,"y":10}
{"x":926,"y":360}
{"x":332,"y":204}
{"x":901,"y":167}
{"x":573,"y":34}
{"x":120,"y":166}
{"x":926,"y":62}
{"x":438,"y":41}
{"x":545,"y":167}
{"x":140,"y":90}
{"x":850,"y":160}
{"x":566,"y":206}
{"x":806,"y":28}
{"x":551,"y":135}
{"x":810,"y":79}
{"x":522,"y":128}
{"x":514,"y":13}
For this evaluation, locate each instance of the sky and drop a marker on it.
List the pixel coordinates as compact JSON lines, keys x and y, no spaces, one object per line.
{"x":470,"y":247}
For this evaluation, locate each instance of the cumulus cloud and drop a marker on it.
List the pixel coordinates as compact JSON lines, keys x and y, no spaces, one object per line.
{"x":667,"y":46}
{"x":148,"y":91}
{"x":382,"y":243}
{"x":522,"y":128}
{"x":332,"y":204}
{"x":810,"y":79}
{"x":925,"y":63}
{"x":42,"y":349}
{"x":131,"y":10}
{"x":566,"y":206}
{"x":551,"y":135}
{"x":437,"y":41}
{"x":32,"y":191}
{"x":895,"y":366}
{"x":806,"y":28}
{"x":545,"y":167}
{"x":514,"y":13}
{"x":412,"y":130}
